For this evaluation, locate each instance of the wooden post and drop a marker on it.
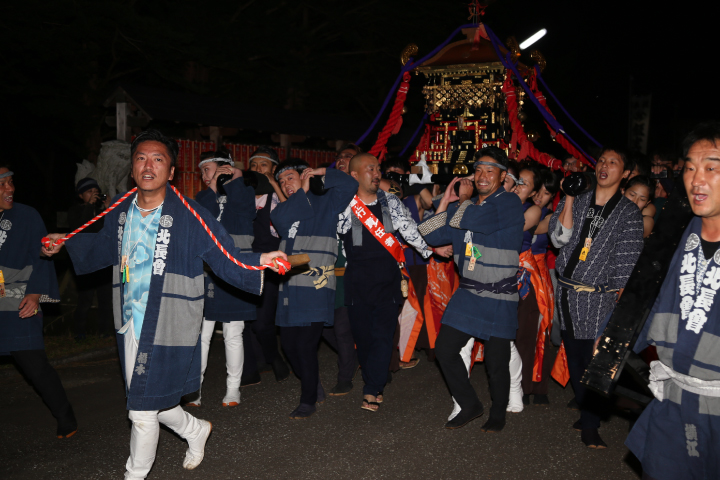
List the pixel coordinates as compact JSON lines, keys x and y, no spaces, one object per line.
{"x":121,"y":123}
{"x":216,"y":137}
{"x":285,"y":143}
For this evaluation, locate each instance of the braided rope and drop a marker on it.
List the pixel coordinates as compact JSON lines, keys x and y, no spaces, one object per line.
{"x":47,"y":242}
{"x":282,"y":265}
{"x":379,"y":149}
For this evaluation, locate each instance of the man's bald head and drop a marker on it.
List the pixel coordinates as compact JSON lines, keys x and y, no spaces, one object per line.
{"x":366,"y":170}
{"x":359,"y":160}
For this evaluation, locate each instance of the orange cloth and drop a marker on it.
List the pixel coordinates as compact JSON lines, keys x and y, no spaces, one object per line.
{"x":442,"y":282}
{"x":546,"y":323}
{"x":560,"y":371}
{"x":528,"y":262}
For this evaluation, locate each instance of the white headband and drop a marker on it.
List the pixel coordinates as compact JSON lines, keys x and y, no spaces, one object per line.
{"x":7,"y":174}
{"x":217,"y":159}
{"x":492,"y":164}
{"x":263,"y":156}
{"x":298,"y":168}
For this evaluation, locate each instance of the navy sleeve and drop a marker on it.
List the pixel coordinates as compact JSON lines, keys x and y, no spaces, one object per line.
{"x":296,"y":208}
{"x":208,"y":199}
{"x":342,"y":187}
{"x":502,"y":213}
{"x":435,"y":230}
{"x":90,"y":252}
{"x":42,"y":280}
{"x":241,"y":199}
{"x":245,"y":279}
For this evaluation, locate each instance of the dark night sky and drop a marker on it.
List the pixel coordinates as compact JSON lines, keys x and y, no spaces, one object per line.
{"x":62,"y":59}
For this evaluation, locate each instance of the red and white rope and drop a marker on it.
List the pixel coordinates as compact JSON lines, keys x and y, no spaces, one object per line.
{"x":47,"y":242}
{"x":282,"y":265}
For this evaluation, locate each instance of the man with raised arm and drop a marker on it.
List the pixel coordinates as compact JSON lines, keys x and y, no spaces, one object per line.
{"x":677,"y":434}
{"x":307,"y":222}
{"x":486,"y":233}
{"x":157,"y":247}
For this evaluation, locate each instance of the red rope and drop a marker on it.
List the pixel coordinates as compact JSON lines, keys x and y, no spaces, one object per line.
{"x":282,"y":265}
{"x":379,"y":149}
{"x":47,"y":242}
{"x":527,"y":149}
{"x":559,"y":137}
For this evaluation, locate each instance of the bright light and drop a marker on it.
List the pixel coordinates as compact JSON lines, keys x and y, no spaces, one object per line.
{"x":534,"y":38}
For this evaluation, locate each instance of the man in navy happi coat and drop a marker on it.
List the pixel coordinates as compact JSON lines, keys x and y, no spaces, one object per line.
{"x":486,"y":233}
{"x":306,"y":223}
{"x":158,"y":306}
{"x":232,"y":203}
{"x":26,"y":279}
{"x":678,"y":434}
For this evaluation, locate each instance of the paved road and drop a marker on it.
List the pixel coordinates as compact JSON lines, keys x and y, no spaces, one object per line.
{"x":257,"y":440}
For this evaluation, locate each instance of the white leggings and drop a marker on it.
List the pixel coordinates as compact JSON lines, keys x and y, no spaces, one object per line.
{"x":234,"y":352}
{"x":146,"y":431}
{"x":515,"y":404}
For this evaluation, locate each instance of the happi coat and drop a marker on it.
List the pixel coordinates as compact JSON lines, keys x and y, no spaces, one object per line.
{"x":495,"y":227}
{"x":25,"y":272}
{"x":168,"y":362}
{"x":678,"y":433}
{"x":307,"y":223}
{"x":612,"y":257}
{"x":235,"y":211}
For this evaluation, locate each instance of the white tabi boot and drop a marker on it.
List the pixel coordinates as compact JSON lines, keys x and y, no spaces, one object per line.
{"x":192,"y":429}
{"x":515,"y":404}
{"x":234,"y":358}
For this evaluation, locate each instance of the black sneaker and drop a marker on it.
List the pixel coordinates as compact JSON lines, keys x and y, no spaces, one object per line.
{"x":578,"y":426}
{"x":464,"y":417}
{"x":573,"y":405}
{"x":303,"y":411}
{"x":341,"y":388}
{"x":541,"y":400}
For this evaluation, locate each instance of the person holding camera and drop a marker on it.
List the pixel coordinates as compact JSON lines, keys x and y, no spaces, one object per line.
{"x":93,"y":203}
{"x":600,"y":236}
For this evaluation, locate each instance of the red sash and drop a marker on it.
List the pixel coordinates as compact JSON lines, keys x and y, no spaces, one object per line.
{"x":376,"y":227}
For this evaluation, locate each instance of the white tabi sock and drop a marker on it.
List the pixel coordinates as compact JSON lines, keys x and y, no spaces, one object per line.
{"x":515,"y":404}
{"x":466,"y":354}
{"x":234,"y":359}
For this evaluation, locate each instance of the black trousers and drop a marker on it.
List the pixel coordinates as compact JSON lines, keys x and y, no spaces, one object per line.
{"x":99,"y":282}
{"x":300,"y":345}
{"x":43,"y":377}
{"x":497,"y":362}
{"x":341,"y":340}
{"x":373,"y":328}
{"x":262,"y":328}
{"x":593,"y":406}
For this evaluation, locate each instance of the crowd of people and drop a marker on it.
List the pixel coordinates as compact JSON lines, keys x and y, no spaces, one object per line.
{"x":496,"y":266}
